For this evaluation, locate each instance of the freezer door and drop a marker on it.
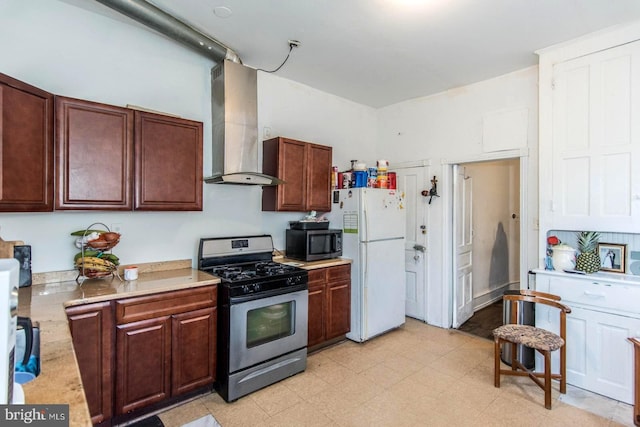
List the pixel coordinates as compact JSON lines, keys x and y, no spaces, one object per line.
{"x":384,"y":290}
{"x":382,"y":216}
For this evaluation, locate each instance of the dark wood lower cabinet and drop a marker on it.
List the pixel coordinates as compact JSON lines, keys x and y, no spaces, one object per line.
{"x":143,"y":371}
{"x":329,"y":305}
{"x":141,"y":353}
{"x":193,"y":350}
{"x":317,"y":299}
{"x":92,"y":328}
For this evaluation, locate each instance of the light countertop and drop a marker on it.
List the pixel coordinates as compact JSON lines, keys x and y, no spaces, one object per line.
{"x":311,"y":265}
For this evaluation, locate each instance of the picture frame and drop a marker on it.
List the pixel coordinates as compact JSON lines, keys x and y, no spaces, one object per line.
{"x":613,"y":257}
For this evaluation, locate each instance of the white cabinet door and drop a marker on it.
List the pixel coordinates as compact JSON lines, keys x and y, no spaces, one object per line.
{"x":610,"y":355}
{"x":578,"y":347}
{"x":596,"y":141}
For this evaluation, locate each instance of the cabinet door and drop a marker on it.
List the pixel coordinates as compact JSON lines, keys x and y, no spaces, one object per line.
{"x":285,"y":159}
{"x":610,"y":361}
{"x":168,"y":163}
{"x":319,"y":178}
{"x":94,"y":147}
{"x":338,"y":301}
{"x":26,"y":147}
{"x":596,"y":142}
{"x":317,"y":307}
{"x":143,"y":363}
{"x":92,"y":333}
{"x":193,"y":353}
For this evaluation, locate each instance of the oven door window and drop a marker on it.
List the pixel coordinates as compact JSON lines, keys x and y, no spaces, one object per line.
{"x":319,"y":244}
{"x":270,"y":323}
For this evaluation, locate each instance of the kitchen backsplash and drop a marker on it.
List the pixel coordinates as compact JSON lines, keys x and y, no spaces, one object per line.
{"x":631,"y":240}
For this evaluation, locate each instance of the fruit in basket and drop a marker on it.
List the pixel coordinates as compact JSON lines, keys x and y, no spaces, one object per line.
{"x":98,"y":254}
{"x":110,"y":236}
{"x":93,"y":263}
{"x":82,"y":233}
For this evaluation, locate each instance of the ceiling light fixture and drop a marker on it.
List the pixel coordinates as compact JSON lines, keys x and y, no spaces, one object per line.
{"x":222,"y":12}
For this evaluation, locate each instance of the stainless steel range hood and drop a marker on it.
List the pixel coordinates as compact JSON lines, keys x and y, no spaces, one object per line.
{"x":234,"y":111}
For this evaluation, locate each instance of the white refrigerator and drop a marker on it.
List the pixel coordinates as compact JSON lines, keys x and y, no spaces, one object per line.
{"x":373,"y":225}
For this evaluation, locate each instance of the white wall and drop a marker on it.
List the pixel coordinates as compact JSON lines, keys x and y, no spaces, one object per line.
{"x":69,"y":51}
{"x":448,"y":128}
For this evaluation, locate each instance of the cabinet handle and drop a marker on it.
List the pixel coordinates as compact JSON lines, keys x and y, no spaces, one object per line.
{"x":594,"y":294}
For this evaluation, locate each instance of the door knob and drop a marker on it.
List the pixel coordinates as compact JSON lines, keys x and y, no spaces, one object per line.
{"x":419,"y":248}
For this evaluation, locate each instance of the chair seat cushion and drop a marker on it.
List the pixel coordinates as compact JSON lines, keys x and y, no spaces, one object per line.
{"x":530,"y":336}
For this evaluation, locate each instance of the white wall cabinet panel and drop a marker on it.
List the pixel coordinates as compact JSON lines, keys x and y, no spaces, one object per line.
{"x":596,"y":141}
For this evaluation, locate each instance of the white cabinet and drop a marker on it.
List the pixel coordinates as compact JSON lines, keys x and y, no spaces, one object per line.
{"x":603,"y":316}
{"x":589,"y":134}
{"x":596,"y":141}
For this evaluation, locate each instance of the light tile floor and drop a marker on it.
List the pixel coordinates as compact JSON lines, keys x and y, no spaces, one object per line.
{"x":417,"y":375}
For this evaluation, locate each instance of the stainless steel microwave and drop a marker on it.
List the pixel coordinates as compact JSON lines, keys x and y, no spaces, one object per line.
{"x":314,"y":245}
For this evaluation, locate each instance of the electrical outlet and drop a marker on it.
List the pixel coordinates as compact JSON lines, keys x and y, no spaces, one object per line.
{"x":117,"y":227}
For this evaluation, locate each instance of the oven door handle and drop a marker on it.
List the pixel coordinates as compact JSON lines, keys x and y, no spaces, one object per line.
{"x":267,"y":294}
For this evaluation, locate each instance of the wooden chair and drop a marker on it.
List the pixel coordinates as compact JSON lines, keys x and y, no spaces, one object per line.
{"x":539,"y":339}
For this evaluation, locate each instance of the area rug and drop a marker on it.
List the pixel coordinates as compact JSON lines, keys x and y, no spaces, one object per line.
{"x":206,"y":421}
{"x":153,"y":421}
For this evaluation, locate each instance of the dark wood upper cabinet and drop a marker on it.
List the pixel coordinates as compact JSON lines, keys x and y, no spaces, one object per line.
{"x":306,"y":170}
{"x":319,"y":159}
{"x":94,"y":155}
{"x":26,"y":147}
{"x":115,"y":158}
{"x":168,"y":156}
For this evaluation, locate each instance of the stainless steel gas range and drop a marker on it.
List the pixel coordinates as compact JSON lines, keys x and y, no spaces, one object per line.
{"x":262,"y":314}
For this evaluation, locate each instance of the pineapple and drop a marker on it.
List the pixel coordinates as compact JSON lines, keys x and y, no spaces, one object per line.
{"x":588,"y":260}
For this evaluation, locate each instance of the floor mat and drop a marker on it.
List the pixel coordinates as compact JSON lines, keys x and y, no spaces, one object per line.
{"x":153,"y":421}
{"x":206,"y":421}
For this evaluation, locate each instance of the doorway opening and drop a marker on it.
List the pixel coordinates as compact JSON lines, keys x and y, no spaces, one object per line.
{"x":486,"y":240}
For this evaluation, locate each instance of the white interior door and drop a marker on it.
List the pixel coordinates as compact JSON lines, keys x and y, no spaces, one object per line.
{"x":463,"y":244}
{"x":411,"y":181}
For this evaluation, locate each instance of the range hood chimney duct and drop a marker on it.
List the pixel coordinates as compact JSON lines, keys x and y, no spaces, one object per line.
{"x":159,"y":20}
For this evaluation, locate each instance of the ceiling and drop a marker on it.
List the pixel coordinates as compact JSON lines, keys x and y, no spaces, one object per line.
{"x":380,"y":52}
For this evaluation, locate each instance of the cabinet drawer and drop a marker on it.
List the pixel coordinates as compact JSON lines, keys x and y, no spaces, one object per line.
{"x":165,"y":304}
{"x":597,"y":293}
{"x":317,"y":275}
{"x":339,"y":272}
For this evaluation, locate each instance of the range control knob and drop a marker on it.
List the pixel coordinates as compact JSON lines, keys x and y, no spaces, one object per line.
{"x":294,"y":280}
